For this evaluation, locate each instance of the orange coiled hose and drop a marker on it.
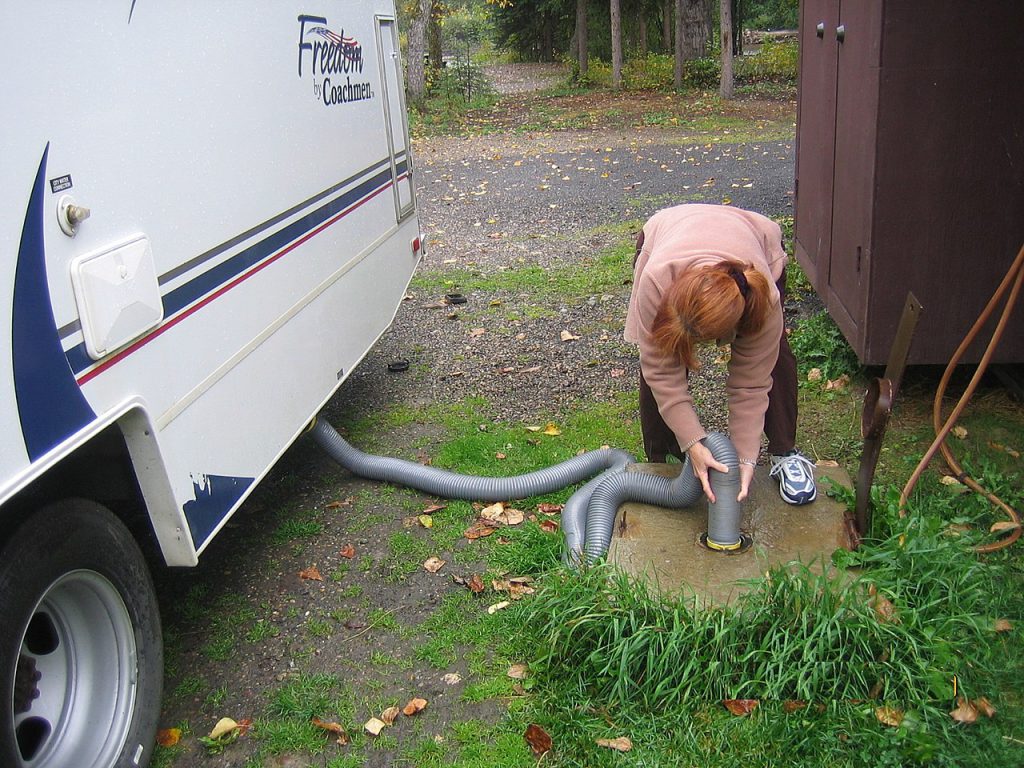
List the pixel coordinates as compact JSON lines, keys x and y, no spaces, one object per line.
{"x":1014,"y":276}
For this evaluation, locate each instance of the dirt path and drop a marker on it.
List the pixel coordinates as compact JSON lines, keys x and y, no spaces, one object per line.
{"x":243,"y":626}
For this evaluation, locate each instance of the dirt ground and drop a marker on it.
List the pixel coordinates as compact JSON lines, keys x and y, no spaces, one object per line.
{"x":486,"y":203}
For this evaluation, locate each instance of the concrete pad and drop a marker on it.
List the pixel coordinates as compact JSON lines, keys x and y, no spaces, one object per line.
{"x":663,"y":545}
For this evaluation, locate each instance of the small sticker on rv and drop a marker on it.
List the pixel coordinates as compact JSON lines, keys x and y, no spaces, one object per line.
{"x":60,"y":183}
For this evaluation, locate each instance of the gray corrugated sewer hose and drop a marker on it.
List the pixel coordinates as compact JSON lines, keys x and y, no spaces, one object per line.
{"x":589,"y":514}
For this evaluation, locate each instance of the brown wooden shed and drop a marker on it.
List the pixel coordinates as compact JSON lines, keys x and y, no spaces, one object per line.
{"x":910,"y":166}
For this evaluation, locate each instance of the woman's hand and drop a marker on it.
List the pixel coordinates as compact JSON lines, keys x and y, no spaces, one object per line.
{"x":701,"y":460}
{"x":746,"y":475}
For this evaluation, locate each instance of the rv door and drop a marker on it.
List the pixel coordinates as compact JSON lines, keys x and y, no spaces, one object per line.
{"x":394,"y":114}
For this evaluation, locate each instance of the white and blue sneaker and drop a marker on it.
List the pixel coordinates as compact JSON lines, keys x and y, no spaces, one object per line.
{"x":795,"y":473}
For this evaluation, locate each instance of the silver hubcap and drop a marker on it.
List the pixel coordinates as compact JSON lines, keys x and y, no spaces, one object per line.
{"x":74,"y":692}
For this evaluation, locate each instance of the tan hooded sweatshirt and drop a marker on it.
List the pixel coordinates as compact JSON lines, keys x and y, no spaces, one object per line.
{"x":687,"y":236}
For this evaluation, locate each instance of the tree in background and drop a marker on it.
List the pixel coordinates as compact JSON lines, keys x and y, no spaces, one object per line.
{"x":418,"y":12}
{"x":616,"y":30}
{"x":725,"y":86}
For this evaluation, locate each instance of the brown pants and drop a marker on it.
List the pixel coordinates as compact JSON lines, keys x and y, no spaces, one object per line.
{"x":779,"y":419}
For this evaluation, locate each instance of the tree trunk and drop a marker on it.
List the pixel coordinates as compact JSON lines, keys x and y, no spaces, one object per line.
{"x":642,"y":32}
{"x":581,"y":37}
{"x":547,"y":40}
{"x":680,"y":56}
{"x":695,"y":28}
{"x":416,"y":76}
{"x":666,"y":25}
{"x":726,"y":83}
{"x":434,"y":41}
{"x":616,"y":13}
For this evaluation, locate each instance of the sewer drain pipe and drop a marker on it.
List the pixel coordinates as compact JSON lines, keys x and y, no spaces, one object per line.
{"x":589,"y":514}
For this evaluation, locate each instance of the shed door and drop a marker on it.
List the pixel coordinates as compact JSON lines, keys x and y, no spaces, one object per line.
{"x":394,"y":114}
{"x":816,"y":139}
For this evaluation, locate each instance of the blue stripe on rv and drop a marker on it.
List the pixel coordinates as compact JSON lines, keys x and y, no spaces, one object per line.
{"x":214,"y":498}
{"x":178,"y":299}
{"x":51,"y":406}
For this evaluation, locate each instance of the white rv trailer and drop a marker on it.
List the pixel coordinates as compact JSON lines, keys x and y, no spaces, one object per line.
{"x":207,"y":221}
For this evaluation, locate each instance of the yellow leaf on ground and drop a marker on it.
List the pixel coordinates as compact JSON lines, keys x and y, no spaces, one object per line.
{"x":889,"y":716}
{"x":959,"y":432}
{"x":168,"y":737}
{"x":426,"y":521}
{"x":567,"y":336}
{"x":390,"y":714}
{"x":518,"y":672}
{"x":551,"y":429}
{"x":814,"y":374}
{"x":224,"y":725}
{"x":433,"y":564}
{"x":622,"y":743}
{"x":452,"y":678}
{"x":492,"y":609}
{"x":374,"y":726}
{"x":1002,"y":625}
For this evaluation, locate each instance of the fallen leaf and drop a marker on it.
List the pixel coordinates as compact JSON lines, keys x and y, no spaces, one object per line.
{"x":492,"y":609}
{"x":414,"y":706}
{"x":374,"y":726}
{"x":477,"y":332}
{"x":551,"y":429}
{"x":478,"y":530}
{"x":348,"y":551}
{"x":884,"y":610}
{"x":949,"y":480}
{"x":518,"y":672}
{"x":1004,"y":525}
{"x":965,"y":712}
{"x":616,"y":373}
{"x":312,"y":573}
{"x":168,"y":737}
{"x":390,"y":714}
{"x":814,"y":374}
{"x":346,"y":502}
{"x":548,"y":526}
{"x":837,"y":385}
{"x":499,"y":455}
{"x":434,"y":508}
{"x":538,"y":739}
{"x":475,"y":584}
{"x":741,"y":707}
{"x":984,"y":707}
{"x":1002,"y":625}
{"x":826,"y":463}
{"x":622,"y":743}
{"x":224,"y":726}
{"x":500,"y":515}
{"x":433,"y":564}
{"x":793,"y":705}
{"x":567,"y":336}
{"x":959,"y":432}
{"x":889,"y":716}
{"x":452,"y":678}
{"x":334,"y":728}
{"x":548,"y":508}
{"x":426,"y":521}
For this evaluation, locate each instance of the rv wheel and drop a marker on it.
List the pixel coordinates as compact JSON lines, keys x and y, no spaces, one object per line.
{"x":81,"y":655}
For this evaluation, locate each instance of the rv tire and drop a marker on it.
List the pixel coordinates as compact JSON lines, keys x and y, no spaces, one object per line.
{"x":81,"y":653}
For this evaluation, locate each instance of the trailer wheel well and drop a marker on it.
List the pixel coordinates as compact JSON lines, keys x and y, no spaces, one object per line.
{"x":100,"y":470}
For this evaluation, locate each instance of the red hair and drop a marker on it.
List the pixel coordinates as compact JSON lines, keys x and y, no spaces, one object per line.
{"x":707,"y":303}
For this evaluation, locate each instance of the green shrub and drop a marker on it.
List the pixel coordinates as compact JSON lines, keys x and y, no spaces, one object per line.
{"x":818,"y":343}
{"x":775,"y":62}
